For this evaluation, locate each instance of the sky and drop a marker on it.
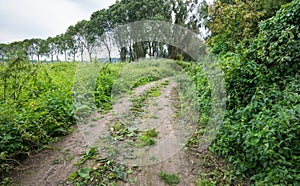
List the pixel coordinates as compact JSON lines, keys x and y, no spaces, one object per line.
{"x":26,"y":19}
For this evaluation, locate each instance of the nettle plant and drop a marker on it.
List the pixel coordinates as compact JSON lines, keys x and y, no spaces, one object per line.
{"x":35,"y":105}
{"x":260,"y":134}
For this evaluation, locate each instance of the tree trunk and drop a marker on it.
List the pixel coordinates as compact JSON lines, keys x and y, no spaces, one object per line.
{"x":90,"y":56}
{"x":109,"y":52}
{"x":131,"y":54}
{"x":150,"y":49}
{"x":65,"y":55}
{"x":109,"y":55}
{"x":154,"y":48}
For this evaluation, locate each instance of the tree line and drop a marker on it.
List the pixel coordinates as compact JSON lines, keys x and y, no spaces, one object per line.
{"x":88,"y":35}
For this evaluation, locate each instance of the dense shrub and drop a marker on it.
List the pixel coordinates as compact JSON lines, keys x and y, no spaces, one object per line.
{"x":104,"y":85}
{"x":278,"y":43}
{"x":260,"y":134}
{"x":36,"y":107}
{"x":42,"y":108}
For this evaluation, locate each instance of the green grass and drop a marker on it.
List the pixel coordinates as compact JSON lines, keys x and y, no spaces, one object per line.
{"x":142,"y":73}
{"x":55,"y":161}
{"x":153,"y":117}
{"x":151,"y":133}
{"x":147,"y":138}
{"x":155,"y":92}
{"x":170,"y":179}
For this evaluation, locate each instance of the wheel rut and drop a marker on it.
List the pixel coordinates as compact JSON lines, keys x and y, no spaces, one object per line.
{"x":158,"y":111}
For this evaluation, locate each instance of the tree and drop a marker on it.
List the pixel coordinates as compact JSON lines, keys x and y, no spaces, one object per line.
{"x":34,"y":48}
{"x":3,"y":51}
{"x":232,"y":23}
{"x":57,"y":41}
{"x":44,"y":49}
{"x":63,"y":42}
{"x":50,"y":48}
{"x":102,"y":27}
{"x":85,"y":34}
{"x":124,"y":12}
{"x":72,"y":42}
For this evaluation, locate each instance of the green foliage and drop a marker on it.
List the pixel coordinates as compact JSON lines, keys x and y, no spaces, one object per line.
{"x":195,"y":73}
{"x":84,"y":172}
{"x":145,"y":80}
{"x":36,"y":107}
{"x":233,"y":24}
{"x":104,"y":85}
{"x":6,"y":181}
{"x":152,"y":133}
{"x":155,"y":92}
{"x":147,"y":137}
{"x":260,"y":133}
{"x":214,"y":171}
{"x":142,"y":73}
{"x":277,"y":45}
{"x":170,"y":179}
{"x":120,"y":132}
{"x":146,"y":140}
{"x":97,"y":171}
{"x":87,"y":155}
{"x":260,"y":139}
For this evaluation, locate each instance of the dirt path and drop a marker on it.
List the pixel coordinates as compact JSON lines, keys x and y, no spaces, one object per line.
{"x":171,"y":157}
{"x":52,"y":166}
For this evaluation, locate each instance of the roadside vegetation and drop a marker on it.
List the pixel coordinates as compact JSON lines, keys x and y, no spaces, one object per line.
{"x":255,"y":43}
{"x":37,"y":106}
{"x":260,"y":132}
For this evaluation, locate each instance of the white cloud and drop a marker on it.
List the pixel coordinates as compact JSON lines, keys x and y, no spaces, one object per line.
{"x":20,"y":19}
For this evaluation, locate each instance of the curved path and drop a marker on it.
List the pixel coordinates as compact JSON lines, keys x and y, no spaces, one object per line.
{"x":53,"y":165}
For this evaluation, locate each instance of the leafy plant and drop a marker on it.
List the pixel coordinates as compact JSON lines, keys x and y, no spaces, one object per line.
{"x":90,"y":154}
{"x":85,"y":172}
{"x":170,"y":179}
{"x":146,"y":140}
{"x":120,"y":132}
{"x":100,"y":171}
{"x":151,"y":133}
{"x":40,"y":111}
{"x":104,"y":85}
{"x":259,"y":135}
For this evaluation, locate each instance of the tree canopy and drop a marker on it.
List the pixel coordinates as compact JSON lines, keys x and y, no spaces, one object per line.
{"x":87,"y":35}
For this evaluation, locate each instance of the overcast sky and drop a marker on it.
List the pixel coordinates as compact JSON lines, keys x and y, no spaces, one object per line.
{"x":26,"y":19}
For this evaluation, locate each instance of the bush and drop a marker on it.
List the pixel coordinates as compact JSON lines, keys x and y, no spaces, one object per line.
{"x":40,"y":111}
{"x":277,"y":45}
{"x":104,"y":85}
{"x":260,"y":134}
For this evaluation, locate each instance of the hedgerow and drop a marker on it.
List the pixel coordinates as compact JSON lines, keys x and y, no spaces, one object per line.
{"x":260,"y":133}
